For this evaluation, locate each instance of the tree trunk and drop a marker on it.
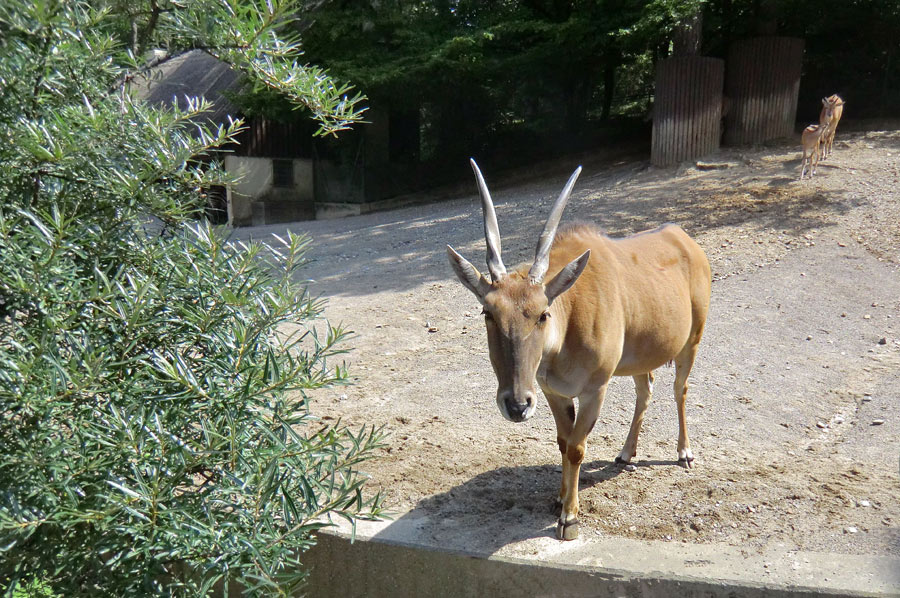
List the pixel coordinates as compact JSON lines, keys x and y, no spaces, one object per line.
{"x":609,"y":88}
{"x":688,"y":36}
{"x":766,"y":18}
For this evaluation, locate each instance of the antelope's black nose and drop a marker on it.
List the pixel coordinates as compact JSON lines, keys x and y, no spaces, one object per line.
{"x":519,"y":408}
{"x":516,"y":410}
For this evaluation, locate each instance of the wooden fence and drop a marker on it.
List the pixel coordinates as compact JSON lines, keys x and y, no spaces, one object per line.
{"x":687,"y":110}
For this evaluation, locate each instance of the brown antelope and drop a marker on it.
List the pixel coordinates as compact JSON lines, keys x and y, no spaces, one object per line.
{"x":589,"y":308}
{"x":828,"y":137}
{"x":813,"y":138}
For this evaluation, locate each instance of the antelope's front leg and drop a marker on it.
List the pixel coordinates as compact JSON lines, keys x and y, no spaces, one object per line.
{"x":563,"y":409}
{"x":588,"y":411}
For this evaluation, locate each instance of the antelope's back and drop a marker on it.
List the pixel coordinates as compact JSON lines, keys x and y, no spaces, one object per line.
{"x":654,"y":285}
{"x":660,"y":253}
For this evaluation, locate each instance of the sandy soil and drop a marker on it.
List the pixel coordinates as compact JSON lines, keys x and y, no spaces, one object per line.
{"x":794,"y":408}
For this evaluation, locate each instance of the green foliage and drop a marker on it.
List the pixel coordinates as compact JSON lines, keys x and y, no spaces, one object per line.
{"x":255,"y":37}
{"x":153,"y":375}
{"x":851,"y":49}
{"x":33,"y":589}
{"x":484,"y":76}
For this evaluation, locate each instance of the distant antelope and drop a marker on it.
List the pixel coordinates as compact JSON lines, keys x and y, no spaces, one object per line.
{"x":813,"y":138}
{"x":831,"y":125}
{"x":589,"y":308}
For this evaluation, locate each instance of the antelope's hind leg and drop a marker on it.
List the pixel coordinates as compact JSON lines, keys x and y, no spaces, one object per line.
{"x":683,"y":364}
{"x":814,"y":160}
{"x":643,"y":387}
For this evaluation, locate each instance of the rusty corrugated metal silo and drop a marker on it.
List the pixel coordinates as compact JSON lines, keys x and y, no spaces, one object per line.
{"x":762,"y":83}
{"x":687,"y":109}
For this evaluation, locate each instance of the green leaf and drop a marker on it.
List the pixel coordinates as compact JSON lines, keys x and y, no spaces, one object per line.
{"x":144,"y":372}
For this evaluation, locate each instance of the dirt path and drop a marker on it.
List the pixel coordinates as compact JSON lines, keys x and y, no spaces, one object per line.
{"x":794,"y":409}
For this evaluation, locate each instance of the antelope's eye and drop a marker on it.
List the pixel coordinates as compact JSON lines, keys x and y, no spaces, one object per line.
{"x":544,"y":317}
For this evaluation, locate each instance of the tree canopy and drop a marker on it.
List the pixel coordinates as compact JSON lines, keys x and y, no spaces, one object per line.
{"x":489,"y":74}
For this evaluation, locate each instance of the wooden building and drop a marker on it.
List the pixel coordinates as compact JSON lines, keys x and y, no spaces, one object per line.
{"x":285,"y":173}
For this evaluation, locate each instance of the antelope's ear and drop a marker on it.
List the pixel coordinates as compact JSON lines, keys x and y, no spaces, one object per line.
{"x":566,"y":277}
{"x":471,"y":278}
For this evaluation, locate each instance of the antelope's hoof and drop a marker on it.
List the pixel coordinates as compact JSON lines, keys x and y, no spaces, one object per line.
{"x":626,"y":465}
{"x":685,"y":458}
{"x":567,"y":530}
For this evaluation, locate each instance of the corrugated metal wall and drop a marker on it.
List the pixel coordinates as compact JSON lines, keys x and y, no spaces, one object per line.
{"x":687,"y":109}
{"x":762,"y":83}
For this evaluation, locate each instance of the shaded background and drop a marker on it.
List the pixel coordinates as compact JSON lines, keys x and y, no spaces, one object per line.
{"x":517,"y":81}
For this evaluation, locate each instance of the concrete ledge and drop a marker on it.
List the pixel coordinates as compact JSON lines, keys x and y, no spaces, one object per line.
{"x":277,"y":211}
{"x":330,"y":210}
{"x":397,"y":559}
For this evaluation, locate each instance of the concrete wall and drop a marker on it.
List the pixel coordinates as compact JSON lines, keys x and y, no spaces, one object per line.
{"x":254,"y":200}
{"x":415,"y":555}
{"x":370,"y":568}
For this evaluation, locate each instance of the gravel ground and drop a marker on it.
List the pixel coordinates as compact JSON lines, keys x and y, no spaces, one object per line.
{"x":793,"y":409}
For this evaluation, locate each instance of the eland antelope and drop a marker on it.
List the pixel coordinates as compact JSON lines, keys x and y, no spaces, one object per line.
{"x":589,"y":307}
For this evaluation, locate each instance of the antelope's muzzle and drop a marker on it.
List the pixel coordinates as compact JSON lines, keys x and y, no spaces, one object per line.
{"x":516,"y":407}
